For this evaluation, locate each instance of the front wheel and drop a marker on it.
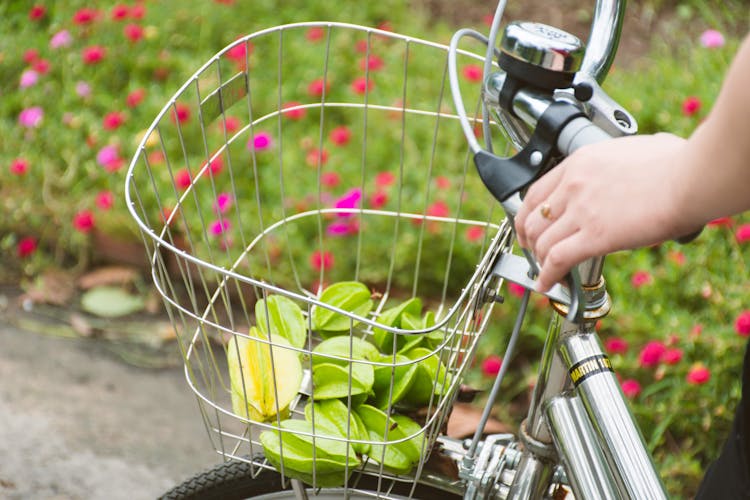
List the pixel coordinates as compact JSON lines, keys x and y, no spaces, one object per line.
{"x":233,"y":480}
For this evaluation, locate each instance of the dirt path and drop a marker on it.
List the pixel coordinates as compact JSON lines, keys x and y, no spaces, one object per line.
{"x":76,"y":423}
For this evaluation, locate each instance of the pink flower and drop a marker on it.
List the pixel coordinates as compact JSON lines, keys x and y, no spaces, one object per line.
{"x":232,"y":124}
{"x":26,"y":247}
{"x":240,"y":52}
{"x":137,"y":11}
{"x":340,"y":228}
{"x":491,"y":365}
{"x":442,"y":182}
{"x":350,"y":200}
{"x":315,"y":34}
{"x":182,"y":179}
{"x":743,"y":233}
{"x":631,"y":388}
{"x":261,"y":141}
{"x":105,"y":200}
{"x":438,"y":209}
{"x":690,"y":106}
{"x":292,"y":113}
{"x":223,"y":203}
{"x":671,"y":356}
{"x":41,"y":66}
{"x":180,"y":113}
{"x":474,"y":233}
{"x":30,"y":55}
{"x":19,"y":166}
{"x":340,"y":135}
{"x":616,"y":345}
{"x":107,"y":155}
{"x":516,"y":289}
{"x":712,"y":39}
{"x":378,"y":199}
{"x":113,"y":120}
{"x":641,"y":278}
{"x":316,"y":157}
{"x":385,"y":179}
{"x":133,"y":32}
{"x":651,"y":354}
{"x":37,"y":12}
{"x":93,"y":54}
{"x":83,"y":221}
{"x":135,"y":97}
{"x":677,"y":257}
{"x":31,"y":117}
{"x":472,"y":73}
{"x":321,"y":261}
{"x":85,"y":16}
{"x":28,"y":78}
{"x":60,"y":39}
{"x":315,"y":88}
{"x":742,"y":323}
{"x":219,"y":227}
{"x":361,"y":85}
{"x":371,"y":63}
{"x":330,"y":179}
{"x":119,"y":12}
{"x":698,"y":374}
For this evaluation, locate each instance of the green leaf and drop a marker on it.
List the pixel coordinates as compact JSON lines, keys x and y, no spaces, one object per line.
{"x":110,"y":302}
{"x":393,"y":317}
{"x":403,"y":375}
{"x":351,"y":296}
{"x":284,"y":317}
{"x":333,"y":381}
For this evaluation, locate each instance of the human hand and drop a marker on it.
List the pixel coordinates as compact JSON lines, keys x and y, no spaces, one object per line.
{"x":614,"y":195}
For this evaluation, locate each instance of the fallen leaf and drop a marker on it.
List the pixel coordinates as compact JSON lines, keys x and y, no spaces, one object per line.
{"x":111,"y":275}
{"x":53,"y":286}
{"x":110,"y":302}
{"x":465,"y":418}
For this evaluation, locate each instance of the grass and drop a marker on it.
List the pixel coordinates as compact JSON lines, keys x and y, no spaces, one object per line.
{"x":680,"y":311}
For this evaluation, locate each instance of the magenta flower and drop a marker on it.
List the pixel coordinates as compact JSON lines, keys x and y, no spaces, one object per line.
{"x":616,"y":345}
{"x":631,"y":388}
{"x":321,"y":261}
{"x":107,"y":155}
{"x":641,"y":278}
{"x":31,"y":117}
{"x":60,"y":39}
{"x":219,"y":227}
{"x":83,"y":221}
{"x":672,"y":356}
{"x":223,"y":203}
{"x":698,"y":374}
{"x":26,"y":247}
{"x":743,"y":233}
{"x":28,"y":78}
{"x":712,"y":39}
{"x":260,"y":141}
{"x":105,"y":200}
{"x":651,"y":354}
{"x":742,"y":324}
{"x":491,"y":365}
{"x":350,"y":200}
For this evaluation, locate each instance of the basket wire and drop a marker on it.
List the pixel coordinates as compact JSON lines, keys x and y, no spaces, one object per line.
{"x":289,"y":162}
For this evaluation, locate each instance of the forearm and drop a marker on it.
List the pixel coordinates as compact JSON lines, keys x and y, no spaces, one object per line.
{"x":717,"y":156}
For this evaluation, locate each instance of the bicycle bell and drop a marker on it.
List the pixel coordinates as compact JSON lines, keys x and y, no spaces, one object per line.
{"x":540,"y":55}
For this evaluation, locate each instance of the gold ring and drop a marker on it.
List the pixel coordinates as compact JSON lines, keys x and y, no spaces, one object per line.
{"x":546,"y":210}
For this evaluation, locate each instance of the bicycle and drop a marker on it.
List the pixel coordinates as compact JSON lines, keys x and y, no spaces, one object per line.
{"x":579,"y":435}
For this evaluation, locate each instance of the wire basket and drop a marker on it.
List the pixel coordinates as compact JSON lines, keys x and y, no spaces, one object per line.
{"x":303,"y":159}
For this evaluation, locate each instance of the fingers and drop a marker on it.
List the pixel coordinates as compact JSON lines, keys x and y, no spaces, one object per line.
{"x":535,"y":196}
{"x":560,"y":259}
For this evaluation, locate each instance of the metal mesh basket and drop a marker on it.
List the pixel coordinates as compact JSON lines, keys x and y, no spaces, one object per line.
{"x":299,"y":157}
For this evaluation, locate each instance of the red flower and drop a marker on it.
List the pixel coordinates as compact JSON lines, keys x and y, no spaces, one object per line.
{"x":216,"y":165}
{"x":41,"y":66}
{"x":378,"y":199}
{"x":340,"y":135}
{"x":93,"y":54}
{"x":315,"y":88}
{"x":721,"y":221}
{"x":315,"y":34}
{"x":120,"y":12}
{"x":321,"y":261}
{"x":135,"y":97}
{"x":360,"y":85}
{"x":232,"y":124}
{"x":182,"y":179}
{"x":472,"y":73}
{"x":385,"y":179}
{"x":37,"y":12}
{"x":631,"y":388}
{"x":677,"y":257}
{"x":180,"y":113}
{"x":26,"y":247}
{"x":691,"y":106}
{"x":474,"y":233}
{"x":641,"y":278}
{"x":83,"y":221}
{"x":672,"y":356}
{"x":361,"y":46}
{"x":385,"y":26}
{"x":743,"y":233}
{"x":316,"y":157}
{"x":30,"y":55}
{"x":516,"y":289}
{"x":698,"y":374}
{"x":442,"y":182}
{"x":113,"y":120}
{"x":293,"y":114}
{"x":371,"y":63}
{"x":134,"y":32}
{"x":491,"y":365}
{"x":19,"y":166}
{"x":330,"y":179}
{"x":438,"y":209}
{"x":105,"y":200}
{"x":651,"y":354}
{"x":240,"y":52}
{"x":137,"y":11}
{"x":85,"y":16}
{"x":616,"y":345}
{"x":742,"y":324}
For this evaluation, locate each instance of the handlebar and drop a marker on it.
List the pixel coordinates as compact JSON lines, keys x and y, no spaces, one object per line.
{"x":604,"y":38}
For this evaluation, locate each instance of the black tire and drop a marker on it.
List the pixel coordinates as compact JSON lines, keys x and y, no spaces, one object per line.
{"x":233,"y":481}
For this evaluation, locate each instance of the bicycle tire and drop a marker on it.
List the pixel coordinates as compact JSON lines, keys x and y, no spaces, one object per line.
{"x":233,"y":480}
